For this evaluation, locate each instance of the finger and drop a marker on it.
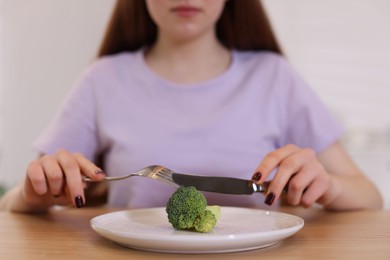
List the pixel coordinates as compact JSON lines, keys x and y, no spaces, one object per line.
{"x":88,"y":168}
{"x":290,"y":166}
{"x":54,"y":175}
{"x":298,"y":184}
{"x":271,"y":161}
{"x":36,"y":178}
{"x":72,"y":175}
{"x":286,"y":169}
{"x":314,"y":191}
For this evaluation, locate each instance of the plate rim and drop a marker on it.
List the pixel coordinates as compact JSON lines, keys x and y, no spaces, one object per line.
{"x":197,"y":237}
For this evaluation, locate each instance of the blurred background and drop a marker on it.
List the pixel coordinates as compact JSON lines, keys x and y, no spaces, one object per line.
{"x":341,"y":47}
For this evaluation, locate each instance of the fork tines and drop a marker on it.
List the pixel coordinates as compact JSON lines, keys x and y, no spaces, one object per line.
{"x":165,"y":174}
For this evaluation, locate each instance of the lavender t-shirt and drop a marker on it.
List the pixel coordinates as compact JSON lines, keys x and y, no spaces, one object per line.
{"x":224,"y":126}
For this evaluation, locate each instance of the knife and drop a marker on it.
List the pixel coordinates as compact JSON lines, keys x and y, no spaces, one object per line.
{"x":225,"y":185}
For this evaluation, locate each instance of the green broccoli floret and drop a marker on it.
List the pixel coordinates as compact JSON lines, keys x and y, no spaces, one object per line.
{"x":205,"y":221}
{"x":186,"y":210}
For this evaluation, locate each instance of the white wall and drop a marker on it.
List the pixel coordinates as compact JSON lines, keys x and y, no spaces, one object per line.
{"x":341,"y":47}
{"x":45,"y":44}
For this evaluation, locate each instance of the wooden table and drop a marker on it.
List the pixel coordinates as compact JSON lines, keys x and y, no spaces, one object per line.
{"x":66,"y":234}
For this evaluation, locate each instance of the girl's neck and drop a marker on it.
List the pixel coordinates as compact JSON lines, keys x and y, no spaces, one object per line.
{"x":188,"y":62}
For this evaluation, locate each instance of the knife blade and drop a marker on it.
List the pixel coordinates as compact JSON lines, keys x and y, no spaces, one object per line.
{"x":226,"y":185}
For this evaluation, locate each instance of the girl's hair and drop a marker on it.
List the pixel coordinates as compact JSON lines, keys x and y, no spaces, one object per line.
{"x":243,"y":25}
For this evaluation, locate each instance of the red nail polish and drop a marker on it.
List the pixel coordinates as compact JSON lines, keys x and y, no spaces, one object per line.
{"x":99,"y":172}
{"x":269,"y":199}
{"x":79,"y":201}
{"x":256,"y":176}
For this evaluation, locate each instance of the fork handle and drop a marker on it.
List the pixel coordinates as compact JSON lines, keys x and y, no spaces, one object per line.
{"x":107,"y":178}
{"x":87,"y":179}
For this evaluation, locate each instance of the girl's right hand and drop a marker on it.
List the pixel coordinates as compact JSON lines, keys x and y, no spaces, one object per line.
{"x":56,"y":179}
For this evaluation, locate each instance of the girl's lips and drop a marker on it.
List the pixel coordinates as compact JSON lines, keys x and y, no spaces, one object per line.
{"x":186,"y":11}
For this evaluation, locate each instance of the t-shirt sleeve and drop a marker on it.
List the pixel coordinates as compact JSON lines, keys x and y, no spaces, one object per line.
{"x":309,"y":123}
{"x":74,"y":126}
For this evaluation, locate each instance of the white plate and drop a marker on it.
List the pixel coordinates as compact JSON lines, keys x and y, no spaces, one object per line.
{"x":238,"y":229}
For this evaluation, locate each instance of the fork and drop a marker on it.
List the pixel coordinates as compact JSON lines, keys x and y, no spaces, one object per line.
{"x":156,"y":172}
{"x":166,"y":176}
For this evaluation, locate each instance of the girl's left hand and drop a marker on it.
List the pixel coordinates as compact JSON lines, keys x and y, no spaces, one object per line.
{"x":298,"y":172}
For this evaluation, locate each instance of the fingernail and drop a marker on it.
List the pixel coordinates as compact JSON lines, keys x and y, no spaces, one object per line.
{"x":79,"y":201}
{"x":256,"y":176}
{"x":99,"y":172}
{"x":269,"y":199}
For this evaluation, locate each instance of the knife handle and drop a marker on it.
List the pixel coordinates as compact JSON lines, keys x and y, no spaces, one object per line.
{"x":260,"y":187}
{"x":225,"y":185}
